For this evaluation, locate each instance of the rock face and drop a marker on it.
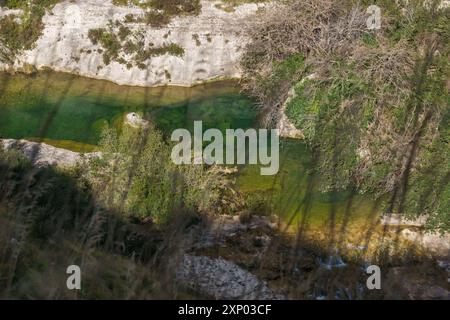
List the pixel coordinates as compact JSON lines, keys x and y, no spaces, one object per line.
{"x":412,"y":231}
{"x":212,"y":41}
{"x":221,"y":279}
{"x":41,"y":154}
{"x":285,"y":126}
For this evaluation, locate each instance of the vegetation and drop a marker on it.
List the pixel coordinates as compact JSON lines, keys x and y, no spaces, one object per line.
{"x":19,"y":33}
{"x":118,"y":41}
{"x":111,"y":211}
{"x":52,"y":224}
{"x":375,"y":108}
{"x":160,"y":12}
{"x":128,"y":47}
{"x":136,"y":176}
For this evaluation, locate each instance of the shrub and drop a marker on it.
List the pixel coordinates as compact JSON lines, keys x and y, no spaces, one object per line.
{"x":136,"y":176}
{"x":118,"y":40}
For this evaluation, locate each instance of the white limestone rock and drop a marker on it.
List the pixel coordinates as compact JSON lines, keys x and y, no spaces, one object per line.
{"x":64,"y":44}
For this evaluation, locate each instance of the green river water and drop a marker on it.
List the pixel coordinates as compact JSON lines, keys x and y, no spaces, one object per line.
{"x":69,"y":111}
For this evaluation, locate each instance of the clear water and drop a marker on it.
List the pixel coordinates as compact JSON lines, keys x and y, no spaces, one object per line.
{"x":63,"y":107}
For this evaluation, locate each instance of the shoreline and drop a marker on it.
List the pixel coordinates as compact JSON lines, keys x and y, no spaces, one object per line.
{"x":43,"y":70}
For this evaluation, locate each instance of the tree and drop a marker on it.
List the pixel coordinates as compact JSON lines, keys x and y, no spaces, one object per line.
{"x":135,"y":175}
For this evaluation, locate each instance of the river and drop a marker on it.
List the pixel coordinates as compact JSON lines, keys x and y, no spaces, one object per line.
{"x":69,"y":111}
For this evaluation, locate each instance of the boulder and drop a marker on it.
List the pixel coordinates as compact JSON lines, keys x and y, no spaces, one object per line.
{"x":135,"y":120}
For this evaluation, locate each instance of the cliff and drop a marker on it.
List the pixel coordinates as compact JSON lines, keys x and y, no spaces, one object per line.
{"x":212,"y":43}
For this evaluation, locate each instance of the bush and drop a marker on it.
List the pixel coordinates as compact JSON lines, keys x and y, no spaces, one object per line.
{"x":136,"y":176}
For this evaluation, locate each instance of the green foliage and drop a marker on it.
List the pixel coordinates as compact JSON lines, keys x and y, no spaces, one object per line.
{"x":16,"y":35}
{"x":303,"y":110}
{"x":109,"y":42}
{"x":160,"y":12}
{"x":429,"y":193}
{"x":136,"y":176}
{"x":118,"y":40}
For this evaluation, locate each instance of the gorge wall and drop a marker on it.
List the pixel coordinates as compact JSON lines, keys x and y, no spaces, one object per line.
{"x":212,"y":41}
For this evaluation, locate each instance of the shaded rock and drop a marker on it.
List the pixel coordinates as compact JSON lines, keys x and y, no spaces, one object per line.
{"x":261,"y":241}
{"x":415,"y":282}
{"x":41,"y":154}
{"x":224,"y":227}
{"x":444,"y":265}
{"x":222,"y":279}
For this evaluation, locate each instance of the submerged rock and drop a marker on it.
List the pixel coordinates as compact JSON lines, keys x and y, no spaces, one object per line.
{"x":222,"y":279}
{"x":135,"y":120}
